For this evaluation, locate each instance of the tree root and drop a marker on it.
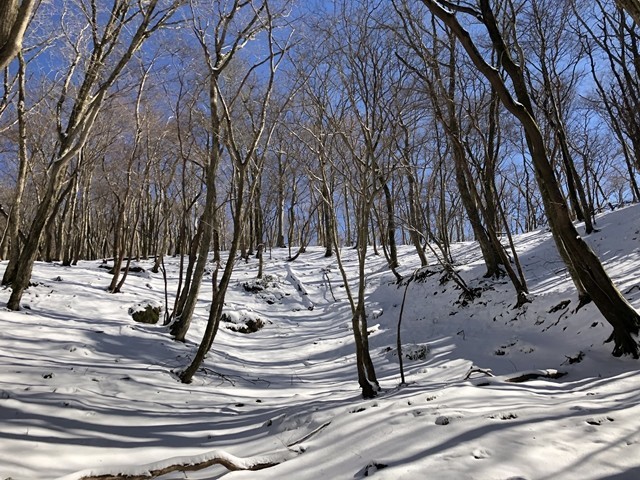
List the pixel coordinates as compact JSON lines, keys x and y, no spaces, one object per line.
{"x":624,"y":343}
{"x":192,"y":464}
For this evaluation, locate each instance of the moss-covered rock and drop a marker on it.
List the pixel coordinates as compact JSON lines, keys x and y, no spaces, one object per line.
{"x":145,"y":313}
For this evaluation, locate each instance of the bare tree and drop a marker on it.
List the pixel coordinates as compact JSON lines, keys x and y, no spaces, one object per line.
{"x":13,"y":238}
{"x":101,"y":70}
{"x":606,"y":34}
{"x":245,"y":142}
{"x":221,"y":34}
{"x":554,"y":77}
{"x":584,"y":266}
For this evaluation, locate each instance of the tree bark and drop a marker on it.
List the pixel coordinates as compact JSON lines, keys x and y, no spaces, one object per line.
{"x":632,"y":7}
{"x":14,"y":19}
{"x":13,"y":222}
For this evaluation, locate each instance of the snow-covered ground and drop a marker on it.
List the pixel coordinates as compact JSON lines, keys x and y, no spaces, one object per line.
{"x":85,"y":390}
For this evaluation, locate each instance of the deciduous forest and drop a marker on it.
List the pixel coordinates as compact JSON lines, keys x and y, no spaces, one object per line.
{"x":199,"y":137}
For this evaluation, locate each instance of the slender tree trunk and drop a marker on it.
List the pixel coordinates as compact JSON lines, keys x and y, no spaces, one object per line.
{"x":415,"y":232}
{"x":119,"y":233}
{"x":71,"y":226}
{"x":327,"y":218}
{"x":391,"y":226}
{"x":13,"y":222}
{"x":366,"y":372}
{"x":280,"y":243}
{"x":347,"y":220}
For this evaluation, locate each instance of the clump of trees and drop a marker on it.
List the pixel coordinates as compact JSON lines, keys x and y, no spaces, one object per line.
{"x":213,"y":130}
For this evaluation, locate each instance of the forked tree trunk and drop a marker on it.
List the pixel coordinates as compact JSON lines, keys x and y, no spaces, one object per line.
{"x":366,"y":372}
{"x":415,"y":231}
{"x":183,"y":321}
{"x":449,"y":118}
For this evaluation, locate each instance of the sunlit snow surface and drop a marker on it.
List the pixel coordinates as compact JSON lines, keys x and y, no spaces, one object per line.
{"x":84,"y":389}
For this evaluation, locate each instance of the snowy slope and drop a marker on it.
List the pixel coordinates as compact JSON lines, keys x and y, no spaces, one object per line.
{"x":85,"y":390}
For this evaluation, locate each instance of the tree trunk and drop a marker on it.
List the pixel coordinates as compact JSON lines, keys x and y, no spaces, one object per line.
{"x":327,"y":218}
{"x":13,"y":222}
{"x":24,"y":265}
{"x":87,"y":104}
{"x":632,"y":7}
{"x":280,"y":243}
{"x":14,"y":19}
{"x":366,"y":371}
{"x":391,"y":226}
{"x":183,"y":321}
{"x":415,"y":231}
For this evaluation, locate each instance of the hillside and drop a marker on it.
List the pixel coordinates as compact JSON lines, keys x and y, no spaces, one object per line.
{"x":85,"y":390}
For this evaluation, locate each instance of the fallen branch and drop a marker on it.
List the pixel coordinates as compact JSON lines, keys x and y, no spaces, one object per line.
{"x":189,"y":464}
{"x":519,"y":377}
{"x":525,"y":377}
{"x":485,"y":371}
{"x":310,"y":434}
{"x":325,"y":272}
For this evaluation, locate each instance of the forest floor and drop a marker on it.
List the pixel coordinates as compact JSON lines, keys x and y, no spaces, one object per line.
{"x":84,"y":390}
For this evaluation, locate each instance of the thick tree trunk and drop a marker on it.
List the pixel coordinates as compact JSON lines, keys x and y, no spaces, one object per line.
{"x":574,"y":185}
{"x":14,"y":19}
{"x":29,"y":253}
{"x":632,"y":7}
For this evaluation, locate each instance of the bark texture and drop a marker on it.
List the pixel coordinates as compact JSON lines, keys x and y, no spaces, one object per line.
{"x":14,"y":19}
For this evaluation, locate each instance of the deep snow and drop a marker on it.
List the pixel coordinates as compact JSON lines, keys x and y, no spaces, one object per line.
{"x":84,"y":389}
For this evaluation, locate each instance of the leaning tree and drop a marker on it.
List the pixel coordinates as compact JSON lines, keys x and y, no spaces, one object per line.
{"x":508,"y":78}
